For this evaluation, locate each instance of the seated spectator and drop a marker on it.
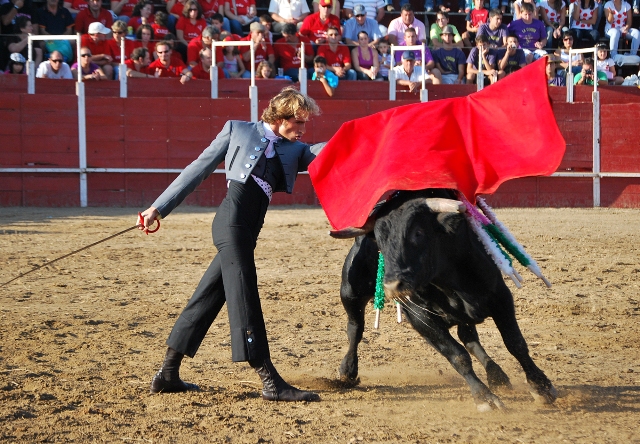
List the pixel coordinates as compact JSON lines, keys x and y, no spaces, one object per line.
{"x":233,"y":65}
{"x":145,"y":38}
{"x":288,"y":48}
{"x":55,"y":19}
{"x":16,"y":64}
{"x":365,"y":59}
{"x":119,"y":29}
{"x":220,"y":22}
{"x":510,"y":58}
{"x":409,"y":75}
{"x":267,"y":22}
{"x":442,"y":20}
{"x":315,"y":26}
{"x":575,"y":64}
{"x":142,"y":14}
{"x":166,"y":66}
{"x":20,"y":41}
{"x":449,"y":59}
{"x":240,"y":13}
{"x":123,"y":9}
{"x":337,"y":55}
{"x":553,"y":78}
{"x":174,"y":9}
{"x":160,"y":24}
{"x":211,"y":7}
{"x":384,"y":59}
{"x":334,"y":9}
{"x":208,"y":36}
{"x":494,"y":29}
{"x":605,"y":64}
{"x":11,"y":10}
{"x":75,"y":6}
{"x":96,"y":42}
{"x":320,"y":73}
{"x":619,"y":20}
{"x":553,"y":14}
{"x":477,"y":17}
{"x":411,"y":39}
{"x":407,"y":19}
{"x":177,"y":57}
{"x":517,"y":8}
{"x":360,"y":22}
{"x":88,"y":69}
{"x":585,"y":15}
{"x":588,"y":74}
{"x":54,"y":68}
{"x":265,"y":70}
{"x":488,"y":57}
{"x":202,"y":70}
{"x":94,"y":13}
{"x":262,"y":50}
{"x":287,"y":12}
{"x":373,"y":9}
{"x":138,"y":63}
{"x":191,"y":24}
{"x":531,"y":33}
{"x":429,"y":5}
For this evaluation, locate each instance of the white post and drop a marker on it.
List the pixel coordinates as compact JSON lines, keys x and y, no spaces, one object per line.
{"x":596,"y":146}
{"x":31,"y":73}
{"x":302,"y":74}
{"x":214,"y":72}
{"x":392,"y":76}
{"x":253,"y":89}
{"x":122,"y":71}
{"x":82,"y":138}
{"x":424,"y":94}
{"x":480,"y":76}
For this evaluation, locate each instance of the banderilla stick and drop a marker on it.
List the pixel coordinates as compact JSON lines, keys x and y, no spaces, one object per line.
{"x":140,"y":223}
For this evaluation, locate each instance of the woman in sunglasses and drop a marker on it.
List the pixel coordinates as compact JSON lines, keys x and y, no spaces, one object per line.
{"x":90,"y":71}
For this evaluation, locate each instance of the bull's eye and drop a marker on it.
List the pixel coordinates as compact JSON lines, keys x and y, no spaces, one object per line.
{"x":418,"y":235}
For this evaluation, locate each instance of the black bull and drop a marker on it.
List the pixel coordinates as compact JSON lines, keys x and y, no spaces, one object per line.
{"x":438,"y":269}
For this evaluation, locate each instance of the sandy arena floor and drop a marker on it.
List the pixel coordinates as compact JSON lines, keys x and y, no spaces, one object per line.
{"x":80,"y":341}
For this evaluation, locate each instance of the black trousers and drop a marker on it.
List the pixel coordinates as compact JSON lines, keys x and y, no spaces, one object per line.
{"x":230,"y":278}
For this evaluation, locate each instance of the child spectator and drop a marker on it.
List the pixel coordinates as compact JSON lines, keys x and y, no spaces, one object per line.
{"x":54,"y":68}
{"x":265,"y":70}
{"x":588,"y":74}
{"x":320,"y":73}
{"x":267,"y":21}
{"x":142,"y":15}
{"x":191,"y":24}
{"x":233,"y":64}
{"x":553,"y":15}
{"x":88,"y":69}
{"x":510,"y":58}
{"x":166,"y":66}
{"x":449,"y":59}
{"x":93,"y":13}
{"x":619,"y":19}
{"x":337,"y":55}
{"x":585,"y":16}
{"x":160,"y":24}
{"x":553,"y":78}
{"x":138,"y":63}
{"x":605,"y":64}
{"x":488,"y":57}
{"x":475,"y":18}
{"x":575,"y":65}
{"x":531,"y":33}
{"x":442,"y":20}
{"x":384,"y":59}
{"x":495,"y":30}
{"x":16,"y":64}
{"x":98,"y":46}
{"x":365,"y":59}
{"x":517,"y":8}
{"x":261,"y":49}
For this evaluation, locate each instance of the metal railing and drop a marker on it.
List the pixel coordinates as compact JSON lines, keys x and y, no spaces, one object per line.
{"x":424,"y":93}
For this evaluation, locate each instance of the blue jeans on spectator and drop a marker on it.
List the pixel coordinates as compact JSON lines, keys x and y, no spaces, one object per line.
{"x":236,"y":27}
{"x":600,"y":14}
{"x":590,"y":35}
{"x":430,"y":6}
{"x":351,"y":75}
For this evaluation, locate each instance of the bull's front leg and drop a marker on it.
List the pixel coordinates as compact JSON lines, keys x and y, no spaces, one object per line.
{"x":355,"y":308}
{"x":496,"y":377}
{"x":436,"y":333}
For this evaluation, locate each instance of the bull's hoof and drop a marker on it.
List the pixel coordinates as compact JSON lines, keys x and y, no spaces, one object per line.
{"x":546,"y":394}
{"x":348,"y":382}
{"x":493,"y":403}
{"x":497,"y":378}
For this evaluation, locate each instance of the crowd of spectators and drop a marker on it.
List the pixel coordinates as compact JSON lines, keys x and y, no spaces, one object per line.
{"x":340,"y":43}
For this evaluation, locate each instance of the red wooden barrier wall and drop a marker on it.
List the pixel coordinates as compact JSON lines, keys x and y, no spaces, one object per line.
{"x":166,"y":125}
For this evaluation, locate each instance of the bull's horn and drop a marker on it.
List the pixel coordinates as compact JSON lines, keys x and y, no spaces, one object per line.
{"x":351,"y":232}
{"x":440,"y":205}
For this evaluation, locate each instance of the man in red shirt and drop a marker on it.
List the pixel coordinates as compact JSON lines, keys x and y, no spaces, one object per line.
{"x":95,"y":40}
{"x":165,"y":66}
{"x":209,"y":35}
{"x":262,"y":49}
{"x":138,"y":64}
{"x":94,"y":13}
{"x":315,"y":26}
{"x":337,"y":55}
{"x":287,"y":51}
{"x":203,"y":69}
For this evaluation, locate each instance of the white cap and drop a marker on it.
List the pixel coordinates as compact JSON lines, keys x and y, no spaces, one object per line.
{"x":98,"y":28}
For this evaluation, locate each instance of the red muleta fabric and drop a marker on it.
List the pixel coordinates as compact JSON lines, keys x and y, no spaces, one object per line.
{"x":472,"y":144}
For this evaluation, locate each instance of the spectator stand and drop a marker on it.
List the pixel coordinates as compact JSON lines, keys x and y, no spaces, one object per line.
{"x":424,"y":93}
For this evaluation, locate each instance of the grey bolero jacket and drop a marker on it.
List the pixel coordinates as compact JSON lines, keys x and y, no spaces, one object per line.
{"x":240,"y":144}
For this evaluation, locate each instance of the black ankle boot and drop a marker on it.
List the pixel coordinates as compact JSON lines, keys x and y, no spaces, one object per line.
{"x":275,"y":388}
{"x":167,"y":380}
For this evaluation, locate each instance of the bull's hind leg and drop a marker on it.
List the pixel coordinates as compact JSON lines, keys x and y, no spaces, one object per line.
{"x":496,"y":377}
{"x":436,"y":333}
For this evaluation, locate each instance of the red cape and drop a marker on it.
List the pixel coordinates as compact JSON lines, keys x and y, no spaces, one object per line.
{"x":472,"y":144}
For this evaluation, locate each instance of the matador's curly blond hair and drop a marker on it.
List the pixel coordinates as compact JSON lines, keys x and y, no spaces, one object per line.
{"x":290,"y":103}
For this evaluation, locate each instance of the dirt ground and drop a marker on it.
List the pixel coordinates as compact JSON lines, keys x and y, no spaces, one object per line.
{"x":80,"y":340}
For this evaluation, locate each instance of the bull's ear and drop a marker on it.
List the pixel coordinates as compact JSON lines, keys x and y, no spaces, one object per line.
{"x":449,"y":222}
